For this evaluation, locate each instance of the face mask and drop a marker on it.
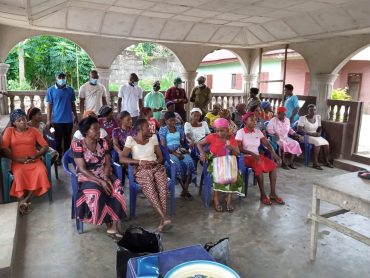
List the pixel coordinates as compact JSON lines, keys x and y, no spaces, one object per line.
{"x":61,"y":82}
{"x":178,"y":85}
{"x":200,"y":84}
{"x":93,"y":81}
{"x":136,"y":83}
{"x":156,"y":88}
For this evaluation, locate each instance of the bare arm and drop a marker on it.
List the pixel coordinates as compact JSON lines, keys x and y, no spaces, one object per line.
{"x":48,"y":115}
{"x":74,"y":112}
{"x":125,"y":159}
{"x":82,"y":106}
{"x":104,"y":100}
{"x":158,"y":152}
{"x":119,"y":104}
{"x":140,"y":104}
{"x":116,"y":145}
{"x":201,"y":145}
{"x":267,"y":144}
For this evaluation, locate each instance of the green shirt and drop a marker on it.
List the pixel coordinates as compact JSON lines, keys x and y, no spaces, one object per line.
{"x":155,"y":100}
{"x":201,"y":96}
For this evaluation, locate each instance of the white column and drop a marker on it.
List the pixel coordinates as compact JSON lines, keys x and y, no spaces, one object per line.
{"x":249,"y":81}
{"x":104,"y":75}
{"x":4,"y":110}
{"x":189,"y":78}
{"x":324,"y":89}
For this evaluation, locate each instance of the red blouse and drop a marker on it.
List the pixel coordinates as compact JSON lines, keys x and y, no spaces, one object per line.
{"x":217,"y":146}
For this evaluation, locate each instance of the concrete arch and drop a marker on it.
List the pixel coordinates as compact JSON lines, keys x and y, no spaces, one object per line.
{"x":348,"y":58}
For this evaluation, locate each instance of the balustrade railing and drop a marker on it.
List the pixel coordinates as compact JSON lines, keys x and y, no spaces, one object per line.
{"x":277,"y":100}
{"x":227,"y":100}
{"x":339,"y":110}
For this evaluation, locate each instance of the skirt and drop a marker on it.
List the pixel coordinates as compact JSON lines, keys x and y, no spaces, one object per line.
{"x":94,"y":206}
{"x":317,"y":141}
{"x":184,"y":167}
{"x":263,"y":165}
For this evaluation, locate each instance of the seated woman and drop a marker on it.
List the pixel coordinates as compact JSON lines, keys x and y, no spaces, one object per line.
{"x":100,"y":197}
{"x":311,"y":126}
{"x":107,"y":120}
{"x":237,"y":116}
{"x":260,"y":123}
{"x":149,"y":171}
{"x":103,"y":134}
{"x":195,"y":130}
{"x":225,"y":114}
{"x":121,"y":133}
{"x":173,"y":138}
{"x":30,"y":174}
{"x":266,"y":113}
{"x":170,"y":107}
{"x":35,"y":120}
{"x":213,"y":115}
{"x":218,"y":142}
{"x":249,"y":139}
{"x":154,"y":125}
{"x":280,"y":127}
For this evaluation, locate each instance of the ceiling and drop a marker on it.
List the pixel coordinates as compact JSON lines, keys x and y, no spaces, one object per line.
{"x":235,"y":23}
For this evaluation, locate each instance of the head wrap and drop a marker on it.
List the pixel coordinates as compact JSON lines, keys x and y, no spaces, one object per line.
{"x":221,"y":123}
{"x":281,"y":109}
{"x":88,"y":113}
{"x":265,"y":104}
{"x":16,"y":114}
{"x":225,"y":113}
{"x":196,"y":109}
{"x":105,"y":110}
{"x":169,"y":103}
{"x":246,"y":116}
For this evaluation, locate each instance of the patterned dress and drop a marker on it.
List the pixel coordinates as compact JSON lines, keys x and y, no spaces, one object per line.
{"x":108,"y":125}
{"x":93,"y":204}
{"x":121,"y":135}
{"x":173,"y":141}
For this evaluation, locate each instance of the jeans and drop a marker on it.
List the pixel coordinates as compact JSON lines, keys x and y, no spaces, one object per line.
{"x":63,"y":133}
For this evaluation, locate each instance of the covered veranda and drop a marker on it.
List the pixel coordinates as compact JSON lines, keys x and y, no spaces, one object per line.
{"x":265,"y":242}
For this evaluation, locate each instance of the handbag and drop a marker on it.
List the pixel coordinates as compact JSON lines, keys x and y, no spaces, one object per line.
{"x":220,"y":251}
{"x":225,"y":169}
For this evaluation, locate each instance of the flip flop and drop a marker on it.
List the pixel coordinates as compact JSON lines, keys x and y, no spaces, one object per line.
{"x":229,"y":208}
{"x":218,"y":208}
{"x":266,"y":200}
{"x":278,"y":200}
{"x":364,"y":175}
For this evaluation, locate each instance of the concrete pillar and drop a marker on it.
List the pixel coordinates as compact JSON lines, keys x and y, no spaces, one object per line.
{"x":104,"y":74}
{"x":324,"y":89}
{"x":249,"y":81}
{"x":189,"y":78}
{"x":4,"y":110}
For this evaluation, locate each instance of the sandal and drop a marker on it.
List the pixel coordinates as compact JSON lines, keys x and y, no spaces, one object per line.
{"x":278,"y":200}
{"x":292,"y":166}
{"x":229,"y":208}
{"x":284,"y":166}
{"x":219,"y":208}
{"x":188,"y":196}
{"x":329,"y":165}
{"x":266,"y":200}
{"x":317,"y":167}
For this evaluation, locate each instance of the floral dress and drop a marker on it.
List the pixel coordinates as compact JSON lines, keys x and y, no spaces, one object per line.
{"x":121,"y":135}
{"x":108,"y":125}
{"x":93,"y":204}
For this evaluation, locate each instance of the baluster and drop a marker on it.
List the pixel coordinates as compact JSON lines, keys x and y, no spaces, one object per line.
{"x":112,"y":102}
{"x":21,"y":98}
{"x":331,"y":112}
{"x":11,"y":103}
{"x":31,"y":101}
{"x":337,"y":115}
{"x":42,"y":103}
{"x":232,"y":104}
{"x":346,"y":113}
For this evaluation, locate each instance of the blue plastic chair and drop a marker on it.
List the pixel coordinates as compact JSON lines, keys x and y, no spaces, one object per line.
{"x":117,"y":167}
{"x":67,"y":162}
{"x":307,"y":147}
{"x":8,"y":177}
{"x":136,"y":188}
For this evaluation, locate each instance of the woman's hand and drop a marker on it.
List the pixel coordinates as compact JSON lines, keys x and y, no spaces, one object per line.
{"x":276,"y":136}
{"x":276,"y":158}
{"x":203,"y":157}
{"x":256,"y":156}
{"x":107,"y":186}
{"x":191,"y":145}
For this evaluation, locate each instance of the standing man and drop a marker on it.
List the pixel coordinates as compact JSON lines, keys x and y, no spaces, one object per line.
{"x":177,"y":95}
{"x":201,"y":95}
{"x":155,"y":100}
{"x":60,"y":100}
{"x":291,"y":104}
{"x":253,"y":99}
{"x":93,"y":95}
{"x":130,"y":97}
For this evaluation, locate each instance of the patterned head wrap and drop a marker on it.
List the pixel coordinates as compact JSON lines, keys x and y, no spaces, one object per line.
{"x":221,"y":123}
{"x":16,"y":114}
{"x":265,"y":104}
{"x":104,"y":111}
{"x":246,"y":116}
{"x":225,"y":113}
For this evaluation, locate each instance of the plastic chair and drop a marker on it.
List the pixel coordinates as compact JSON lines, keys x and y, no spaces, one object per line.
{"x":67,"y":161}
{"x":135,"y":187}
{"x":8,"y":177}
{"x":117,"y":167}
{"x":307,"y":147}
{"x":52,"y":143}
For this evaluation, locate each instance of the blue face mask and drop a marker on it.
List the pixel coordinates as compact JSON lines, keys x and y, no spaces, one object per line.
{"x":61,"y":82}
{"x":93,"y":81}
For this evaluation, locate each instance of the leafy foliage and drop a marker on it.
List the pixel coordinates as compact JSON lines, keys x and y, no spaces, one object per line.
{"x":14,"y":85}
{"x":340,"y":94}
{"x":148,"y":51}
{"x":45,"y":56}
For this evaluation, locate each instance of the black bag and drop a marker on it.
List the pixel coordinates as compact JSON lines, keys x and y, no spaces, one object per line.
{"x":135,"y":242}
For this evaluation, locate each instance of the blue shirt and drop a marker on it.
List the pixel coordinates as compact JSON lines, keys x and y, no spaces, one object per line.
{"x":290,"y":104}
{"x":61,"y":99}
{"x":173,"y":140}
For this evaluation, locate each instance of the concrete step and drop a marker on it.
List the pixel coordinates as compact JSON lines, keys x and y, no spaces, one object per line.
{"x":350,"y":165}
{"x":8,"y":237}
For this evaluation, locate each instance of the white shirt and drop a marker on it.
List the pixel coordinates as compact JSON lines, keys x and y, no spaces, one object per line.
{"x":78,"y":135}
{"x":130,"y":99}
{"x":251,"y":140}
{"x":143,"y":152}
{"x":197,"y":133}
{"x":93,"y":96}
{"x":307,"y":125}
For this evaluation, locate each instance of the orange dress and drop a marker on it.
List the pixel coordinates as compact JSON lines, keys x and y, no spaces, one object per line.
{"x":32,"y":176}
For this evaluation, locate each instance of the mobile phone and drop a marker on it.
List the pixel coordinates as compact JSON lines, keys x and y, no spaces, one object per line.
{"x":52,"y":130}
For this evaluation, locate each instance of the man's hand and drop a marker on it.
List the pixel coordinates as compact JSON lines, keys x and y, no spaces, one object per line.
{"x":48,"y":125}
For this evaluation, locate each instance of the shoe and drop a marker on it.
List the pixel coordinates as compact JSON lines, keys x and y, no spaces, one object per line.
{"x":58,"y":162}
{"x":317,"y":167}
{"x":284,"y":166}
{"x":188,"y":196}
{"x":292,"y":166}
{"x":329,"y":165}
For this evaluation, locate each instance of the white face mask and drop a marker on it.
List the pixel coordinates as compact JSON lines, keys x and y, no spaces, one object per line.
{"x":179,"y":86}
{"x":136,"y":83}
